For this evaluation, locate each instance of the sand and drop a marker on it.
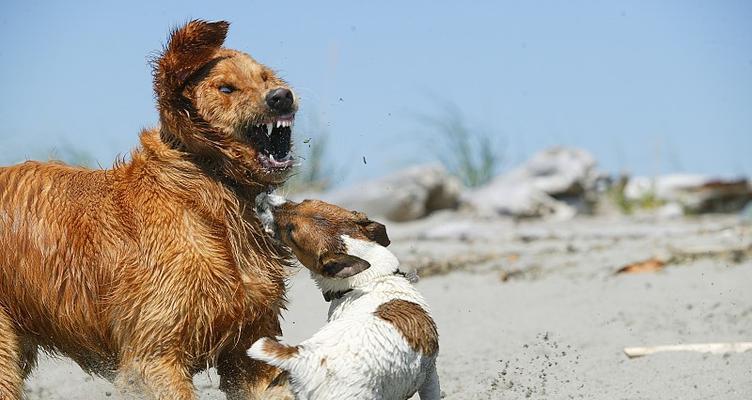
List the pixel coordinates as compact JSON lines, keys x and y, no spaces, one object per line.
{"x":534,"y":309}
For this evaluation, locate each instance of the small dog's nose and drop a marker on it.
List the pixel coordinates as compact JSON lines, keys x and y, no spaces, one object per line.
{"x":280,"y":100}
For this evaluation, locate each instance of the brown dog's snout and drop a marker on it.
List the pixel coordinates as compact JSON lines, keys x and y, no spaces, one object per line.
{"x":280,"y":100}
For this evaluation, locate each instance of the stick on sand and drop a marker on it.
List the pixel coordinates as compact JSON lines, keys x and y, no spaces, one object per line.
{"x":714,"y":348}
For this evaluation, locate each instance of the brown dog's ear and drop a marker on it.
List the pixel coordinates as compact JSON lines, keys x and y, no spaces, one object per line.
{"x":189,"y":48}
{"x":376,"y":232}
{"x":340,"y":265}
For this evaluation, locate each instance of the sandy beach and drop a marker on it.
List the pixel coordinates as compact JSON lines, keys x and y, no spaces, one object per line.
{"x":535,"y":309}
{"x":572,"y":184}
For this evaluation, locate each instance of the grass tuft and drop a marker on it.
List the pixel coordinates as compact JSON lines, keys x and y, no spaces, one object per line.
{"x":469,"y":154}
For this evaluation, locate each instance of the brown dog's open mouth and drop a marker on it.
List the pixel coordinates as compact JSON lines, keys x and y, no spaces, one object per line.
{"x":273,"y":142}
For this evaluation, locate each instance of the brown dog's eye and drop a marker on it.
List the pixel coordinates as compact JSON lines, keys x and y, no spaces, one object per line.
{"x":226,"y":89}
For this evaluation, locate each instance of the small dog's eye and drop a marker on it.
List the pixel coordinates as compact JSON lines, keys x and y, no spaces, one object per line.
{"x":226,"y":89}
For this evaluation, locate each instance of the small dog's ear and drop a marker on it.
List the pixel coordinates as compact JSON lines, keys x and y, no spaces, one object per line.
{"x":340,"y":265}
{"x":189,"y":48}
{"x":376,"y":232}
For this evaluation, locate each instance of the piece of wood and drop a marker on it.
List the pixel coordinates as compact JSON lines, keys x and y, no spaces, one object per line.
{"x":640,"y":267}
{"x":713,"y":348}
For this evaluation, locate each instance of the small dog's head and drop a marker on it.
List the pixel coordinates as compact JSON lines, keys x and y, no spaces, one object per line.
{"x":321,"y":235}
{"x":222,"y":106}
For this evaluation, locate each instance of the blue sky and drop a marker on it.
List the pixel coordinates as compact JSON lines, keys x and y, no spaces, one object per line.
{"x":646,"y":86}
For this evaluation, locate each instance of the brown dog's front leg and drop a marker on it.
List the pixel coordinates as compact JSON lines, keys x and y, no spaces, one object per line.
{"x":243,"y":378}
{"x":11,"y":368}
{"x":156,"y":378}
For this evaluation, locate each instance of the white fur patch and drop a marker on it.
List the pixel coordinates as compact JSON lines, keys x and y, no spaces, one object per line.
{"x":383,"y":263}
{"x":377,"y":255}
{"x":264,"y":203}
{"x":275,"y":200}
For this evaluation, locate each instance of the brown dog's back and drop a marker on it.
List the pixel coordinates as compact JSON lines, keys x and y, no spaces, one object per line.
{"x":92,"y":261}
{"x":54,"y":246}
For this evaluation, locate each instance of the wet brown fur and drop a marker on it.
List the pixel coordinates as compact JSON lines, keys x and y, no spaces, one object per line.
{"x":157,"y":268}
{"x":413,"y":322}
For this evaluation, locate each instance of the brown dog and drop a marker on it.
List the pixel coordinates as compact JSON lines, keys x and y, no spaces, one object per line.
{"x":156,"y":269}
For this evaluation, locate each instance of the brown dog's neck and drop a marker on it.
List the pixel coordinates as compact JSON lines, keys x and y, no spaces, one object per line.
{"x":161,"y":157}
{"x":171,"y":140}
{"x":205,"y":165}
{"x":184,"y":179}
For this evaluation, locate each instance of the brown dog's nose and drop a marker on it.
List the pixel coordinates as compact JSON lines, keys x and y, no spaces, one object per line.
{"x":280,"y":100}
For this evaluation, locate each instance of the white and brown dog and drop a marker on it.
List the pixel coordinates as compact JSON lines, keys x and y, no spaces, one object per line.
{"x":380,"y":341}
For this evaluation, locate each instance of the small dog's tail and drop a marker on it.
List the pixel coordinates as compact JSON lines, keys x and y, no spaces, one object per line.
{"x":274,"y":353}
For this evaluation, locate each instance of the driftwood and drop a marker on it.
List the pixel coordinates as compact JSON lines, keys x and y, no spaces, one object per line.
{"x":713,"y":348}
{"x":650,"y":265}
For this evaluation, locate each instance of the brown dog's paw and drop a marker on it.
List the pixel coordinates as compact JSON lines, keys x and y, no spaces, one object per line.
{"x":278,"y":393}
{"x":279,"y":389}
